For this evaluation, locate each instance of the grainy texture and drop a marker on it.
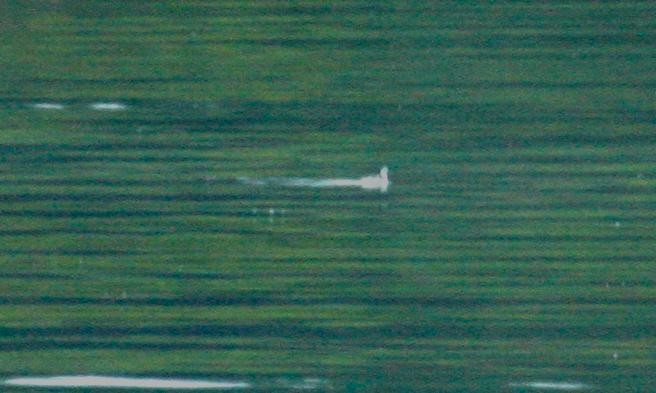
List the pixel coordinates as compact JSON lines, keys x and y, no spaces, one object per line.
{"x":515,"y":246}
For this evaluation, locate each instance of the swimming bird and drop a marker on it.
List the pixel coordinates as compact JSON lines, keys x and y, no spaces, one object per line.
{"x":379,"y":181}
{"x":376,"y":182}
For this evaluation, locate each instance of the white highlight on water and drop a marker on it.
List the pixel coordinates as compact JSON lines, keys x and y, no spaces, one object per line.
{"x":47,"y":106}
{"x":376,"y":182}
{"x":552,"y":385}
{"x":108,"y":106}
{"x":304,"y":384}
{"x":95,"y":381}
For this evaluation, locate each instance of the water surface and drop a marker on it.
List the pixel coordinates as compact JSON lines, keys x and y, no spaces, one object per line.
{"x":514,"y":248}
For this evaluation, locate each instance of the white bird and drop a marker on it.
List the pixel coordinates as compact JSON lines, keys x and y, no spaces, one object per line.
{"x":379,"y":181}
{"x":376,"y":182}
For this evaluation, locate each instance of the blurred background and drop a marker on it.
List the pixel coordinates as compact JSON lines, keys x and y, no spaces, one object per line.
{"x":513,"y":251}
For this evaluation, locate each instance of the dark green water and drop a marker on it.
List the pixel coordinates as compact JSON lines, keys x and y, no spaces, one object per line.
{"x":515,"y":244}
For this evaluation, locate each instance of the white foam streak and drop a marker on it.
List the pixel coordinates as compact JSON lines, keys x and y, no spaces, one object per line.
{"x":304,"y":384}
{"x":376,"y":182}
{"x":47,"y":106}
{"x":300,"y":182}
{"x":108,"y":106}
{"x":552,"y":385}
{"x":94,"y":381}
